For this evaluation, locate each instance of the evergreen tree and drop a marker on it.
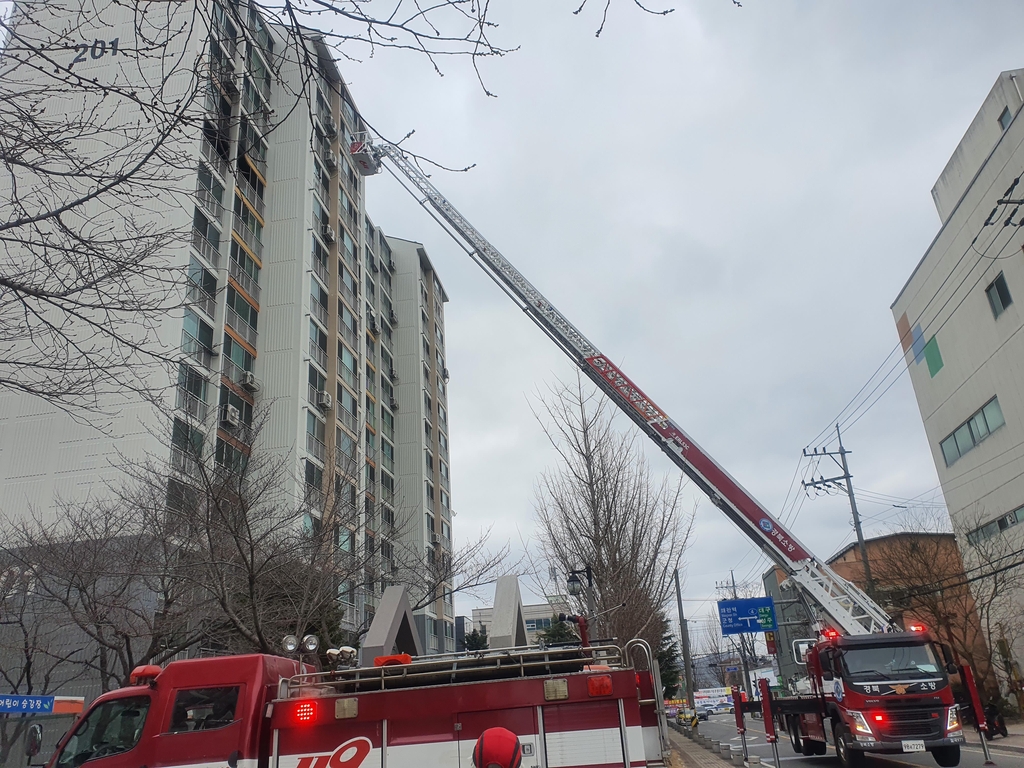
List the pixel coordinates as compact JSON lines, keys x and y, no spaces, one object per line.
{"x":559,"y":632}
{"x":671,"y":665}
{"x":476,"y":640}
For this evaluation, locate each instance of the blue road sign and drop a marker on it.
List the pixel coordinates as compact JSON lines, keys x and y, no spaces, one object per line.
{"x":42,"y":705}
{"x":732,"y":669}
{"x":753,"y":614}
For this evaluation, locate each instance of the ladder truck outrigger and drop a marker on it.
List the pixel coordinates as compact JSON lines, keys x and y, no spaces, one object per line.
{"x":873,"y":689}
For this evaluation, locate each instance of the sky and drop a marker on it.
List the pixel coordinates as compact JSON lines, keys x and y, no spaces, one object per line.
{"x":726,"y":200}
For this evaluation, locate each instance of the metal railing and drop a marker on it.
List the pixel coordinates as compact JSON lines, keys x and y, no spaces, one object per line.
{"x":191,"y":346}
{"x":348,"y":294}
{"x":191,"y":404}
{"x":220,"y":165}
{"x":350,"y":335}
{"x":318,"y":310}
{"x":249,"y":237}
{"x":388,"y":462}
{"x":315,"y":447}
{"x":246,"y":331}
{"x":182,"y":461}
{"x":223,"y":72}
{"x":347,"y":419}
{"x":312,"y":394}
{"x":200,"y":298}
{"x":246,"y":283}
{"x":319,"y":355}
{"x":321,"y":271}
{"x":251,"y":195}
{"x":205,"y":248}
{"x":209,"y":203}
{"x":232,"y":370}
{"x":259,"y":163}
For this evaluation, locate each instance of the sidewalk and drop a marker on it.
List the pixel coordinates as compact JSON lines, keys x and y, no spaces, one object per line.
{"x":692,"y":754}
{"x":1012,"y":743}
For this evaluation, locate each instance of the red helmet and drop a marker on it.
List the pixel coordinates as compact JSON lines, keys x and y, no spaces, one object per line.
{"x":497,"y":748}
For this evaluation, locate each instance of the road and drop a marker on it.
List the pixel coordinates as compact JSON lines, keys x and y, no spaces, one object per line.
{"x":723,"y":728}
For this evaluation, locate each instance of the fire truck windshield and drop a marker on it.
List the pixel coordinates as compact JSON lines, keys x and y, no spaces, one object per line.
{"x":901,"y":662}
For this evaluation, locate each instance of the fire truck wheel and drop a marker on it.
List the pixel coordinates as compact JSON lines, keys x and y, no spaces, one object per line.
{"x":848,"y":758}
{"x":794,"y":735}
{"x":947,"y":757}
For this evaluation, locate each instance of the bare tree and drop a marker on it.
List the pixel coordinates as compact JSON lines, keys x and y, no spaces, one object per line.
{"x":604,"y":508}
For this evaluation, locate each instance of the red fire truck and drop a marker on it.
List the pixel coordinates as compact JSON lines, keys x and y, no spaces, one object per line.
{"x":881,"y":693}
{"x":573,"y":707}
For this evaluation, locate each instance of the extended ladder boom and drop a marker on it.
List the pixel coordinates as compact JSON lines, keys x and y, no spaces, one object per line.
{"x":846,"y":605}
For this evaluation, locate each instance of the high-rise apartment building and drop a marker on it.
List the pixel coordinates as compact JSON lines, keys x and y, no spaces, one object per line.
{"x":422,"y":438}
{"x":296,"y":307}
{"x":959,"y":321}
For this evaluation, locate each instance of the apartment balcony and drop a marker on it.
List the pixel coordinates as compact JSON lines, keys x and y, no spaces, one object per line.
{"x":430,"y":472}
{"x":318,"y":311}
{"x":249,"y":237}
{"x":351,"y":335}
{"x":223,"y":73}
{"x":199,"y":298}
{"x":257,"y":162}
{"x":243,"y":329}
{"x":250,"y":194}
{"x":315,"y":447}
{"x":233,"y":371}
{"x":205,"y":248}
{"x":444,"y":483}
{"x":388,"y":462}
{"x":320,"y":270}
{"x":259,"y":113}
{"x":347,"y":419}
{"x":228,"y":38}
{"x":210,"y":205}
{"x":371,"y":420}
{"x":192,"y":347}
{"x":218,"y":163}
{"x":264,"y":86}
{"x":319,"y":355}
{"x":444,"y":452}
{"x":246,"y":283}
{"x":182,"y":461}
{"x":191,"y":404}
{"x":348,"y":295}
{"x":312,"y":395}
{"x":371,"y":387}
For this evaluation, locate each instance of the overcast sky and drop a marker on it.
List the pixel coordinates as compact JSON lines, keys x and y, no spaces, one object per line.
{"x":726,"y":201}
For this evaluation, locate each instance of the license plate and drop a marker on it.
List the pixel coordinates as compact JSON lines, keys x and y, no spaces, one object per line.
{"x":913,"y":745}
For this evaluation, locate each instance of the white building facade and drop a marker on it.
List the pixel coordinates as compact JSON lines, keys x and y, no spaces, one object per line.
{"x":959,"y":318}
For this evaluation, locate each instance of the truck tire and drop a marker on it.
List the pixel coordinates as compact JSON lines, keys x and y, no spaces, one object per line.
{"x":848,"y":757}
{"x":947,"y":757}
{"x":794,"y":734}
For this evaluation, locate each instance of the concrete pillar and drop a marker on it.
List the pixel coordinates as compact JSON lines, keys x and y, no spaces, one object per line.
{"x":716,"y":747}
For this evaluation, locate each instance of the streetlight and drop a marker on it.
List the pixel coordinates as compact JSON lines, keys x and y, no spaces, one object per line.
{"x":575,"y":587}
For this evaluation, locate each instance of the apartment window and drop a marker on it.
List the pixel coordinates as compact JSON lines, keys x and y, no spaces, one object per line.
{"x":429,"y":522}
{"x":345,"y":540}
{"x":198,"y":330}
{"x":348,"y":247}
{"x":245,"y":310}
{"x":989,"y":530}
{"x":984,"y":422}
{"x":446,"y":502}
{"x":192,"y":382}
{"x":347,"y":365}
{"x":248,"y":218}
{"x":205,"y":228}
{"x":426,"y":348}
{"x":229,"y":397}
{"x":371,"y":290}
{"x":210,"y":184}
{"x":346,"y":443}
{"x":238,"y":354}
{"x":347,"y":401}
{"x":428,"y":431}
{"x":442,"y":415}
{"x":444,"y":471}
{"x":1005,"y":118}
{"x":245,"y":263}
{"x":998,"y":295}
{"x":314,"y":476}
{"x":230,"y":457}
{"x":187,"y":439}
{"x":427,"y":403}
{"x":429,"y":458}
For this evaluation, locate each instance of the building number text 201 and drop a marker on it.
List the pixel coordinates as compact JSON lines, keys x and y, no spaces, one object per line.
{"x":97,"y":50}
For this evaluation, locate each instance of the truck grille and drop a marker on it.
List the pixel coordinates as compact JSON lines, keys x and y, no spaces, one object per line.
{"x":912,"y":723}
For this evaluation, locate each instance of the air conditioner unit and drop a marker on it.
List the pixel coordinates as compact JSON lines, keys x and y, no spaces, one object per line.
{"x":332,"y":163}
{"x":329,"y":234}
{"x":249,"y":382}
{"x":230,"y":417}
{"x":374,"y":328}
{"x":325,"y":401}
{"x":392,"y":373}
{"x":330,"y":128}
{"x":393,"y":404}
{"x":392,"y":317}
{"x":444,"y":374}
{"x":435,"y":538}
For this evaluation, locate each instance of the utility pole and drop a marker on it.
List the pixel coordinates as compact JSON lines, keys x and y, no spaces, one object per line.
{"x":847,"y":478}
{"x":684,"y":634}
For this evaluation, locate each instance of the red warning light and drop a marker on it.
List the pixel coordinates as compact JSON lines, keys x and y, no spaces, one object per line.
{"x":879,"y":718}
{"x":830,"y":633}
{"x":305,"y":712}
{"x":916,"y":628}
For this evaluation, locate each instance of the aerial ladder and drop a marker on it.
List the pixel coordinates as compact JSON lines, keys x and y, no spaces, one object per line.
{"x":843,"y":604}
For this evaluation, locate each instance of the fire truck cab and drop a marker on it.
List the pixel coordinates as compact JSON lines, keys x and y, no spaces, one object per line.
{"x":881,"y":693}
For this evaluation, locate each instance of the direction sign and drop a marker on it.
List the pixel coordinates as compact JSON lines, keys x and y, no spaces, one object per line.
{"x":753,"y":614}
{"x":732,"y":669}
{"x":14,"y":703}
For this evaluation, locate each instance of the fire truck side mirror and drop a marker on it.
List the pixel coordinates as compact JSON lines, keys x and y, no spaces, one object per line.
{"x":34,"y":740}
{"x":826,"y":659}
{"x":949,"y":659}
{"x":800,"y":649}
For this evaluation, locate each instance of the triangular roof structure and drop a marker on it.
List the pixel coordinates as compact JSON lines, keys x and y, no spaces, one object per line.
{"x":392,"y":629}
{"x":508,"y":627}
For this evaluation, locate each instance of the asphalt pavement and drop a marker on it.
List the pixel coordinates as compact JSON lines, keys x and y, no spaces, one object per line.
{"x":723,"y":728}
